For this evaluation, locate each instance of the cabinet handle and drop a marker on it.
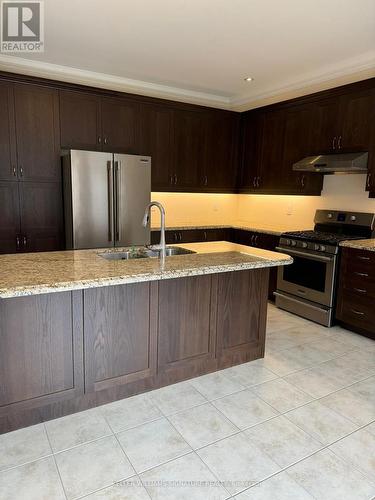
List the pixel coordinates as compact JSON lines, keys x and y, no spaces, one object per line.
{"x":358,"y":313}
{"x":24,"y":241}
{"x":362,"y":257}
{"x":105,"y":140}
{"x":175,"y":179}
{"x":252,"y":240}
{"x":175,"y":237}
{"x":14,"y":171}
{"x":18,"y":242}
{"x":205,"y":235}
{"x":368,"y":182}
{"x":171,"y":179}
{"x":255,"y":182}
{"x":303,"y":181}
{"x":258,"y":181}
{"x":179,"y":236}
{"x":339,"y":142}
{"x":21,"y":171}
{"x":363,"y":275}
{"x":205,"y":180}
{"x":334,"y":142}
{"x":99,"y":140}
{"x":359,"y":290}
{"x":256,"y":240}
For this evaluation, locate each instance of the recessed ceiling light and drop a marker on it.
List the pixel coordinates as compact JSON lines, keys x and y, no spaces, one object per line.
{"x":248,"y":79}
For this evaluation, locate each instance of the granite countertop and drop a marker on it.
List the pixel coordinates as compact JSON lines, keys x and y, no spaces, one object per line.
{"x":360,"y":244}
{"x":273,"y":230}
{"x":37,"y":273}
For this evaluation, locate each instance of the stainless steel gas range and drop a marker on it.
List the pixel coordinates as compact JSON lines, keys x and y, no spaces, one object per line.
{"x":308,"y":286}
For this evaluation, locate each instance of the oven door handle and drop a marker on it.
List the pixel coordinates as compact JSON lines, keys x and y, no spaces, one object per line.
{"x":306,"y":255}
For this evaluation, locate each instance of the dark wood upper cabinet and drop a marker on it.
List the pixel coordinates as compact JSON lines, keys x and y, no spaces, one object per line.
{"x":324,"y":120}
{"x":120,"y":125}
{"x":10,"y":217}
{"x":221,"y":151}
{"x":156,"y":140}
{"x":270,"y":171}
{"x":189,"y":149}
{"x":249,"y":151}
{"x":37,"y":133}
{"x":8,"y":158}
{"x":80,"y":121}
{"x":357,"y":115}
{"x":298,"y":138}
{"x":120,"y":335}
{"x":41,"y":217}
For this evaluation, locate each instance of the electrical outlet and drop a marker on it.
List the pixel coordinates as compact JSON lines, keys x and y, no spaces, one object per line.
{"x":289,"y":209}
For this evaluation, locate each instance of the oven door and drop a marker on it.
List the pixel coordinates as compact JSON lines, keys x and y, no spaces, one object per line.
{"x":311,"y":276}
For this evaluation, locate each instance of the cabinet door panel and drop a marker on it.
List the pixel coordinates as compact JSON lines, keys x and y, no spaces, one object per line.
{"x":357,"y":116}
{"x":324,"y":123}
{"x":10,"y":216}
{"x":119,"y":335}
{"x":37,"y":344}
{"x":250,"y":130}
{"x":8,"y":167}
{"x":120,"y":125}
{"x":41,"y":216}
{"x":37,"y":132}
{"x":80,"y":121}
{"x":185,"y":334}
{"x":189,"y":148}
{"x":221,"y":149}
{"x":240,"y":311}
{"x":297,"y":145}
{"x":271,"y":173}
{"x":156,"y":140}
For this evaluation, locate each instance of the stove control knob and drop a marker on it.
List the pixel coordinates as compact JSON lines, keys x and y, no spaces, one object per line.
{"x":288,"y":243}
{"x":322,"y":248}
{"x":317,"y":247}
{"x":293,"y":243}
{"x":353,"y":218}
{"x":329,"y":216}
{"x":304,"y":244}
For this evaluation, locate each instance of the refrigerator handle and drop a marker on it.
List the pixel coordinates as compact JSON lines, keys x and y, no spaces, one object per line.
{"x":118,"y":198}
{"x":110,"y":200}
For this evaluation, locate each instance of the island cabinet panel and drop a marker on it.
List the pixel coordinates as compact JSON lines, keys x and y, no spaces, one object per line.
{"x":241,"y":314}
{"x":186,"y":326}
{"x":40,"y":350}
{"x":119,"y":335}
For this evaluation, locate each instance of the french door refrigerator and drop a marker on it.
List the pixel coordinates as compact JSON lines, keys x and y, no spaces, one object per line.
{"x":105,"y":196}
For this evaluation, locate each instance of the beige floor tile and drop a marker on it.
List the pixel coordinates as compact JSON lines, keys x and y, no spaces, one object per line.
{"x":202,"y":425}
{"x":215,"y":385}
{"x":176,"y":397}
{"x":365,"y":388}
{"x":322,"y":423}
{"x":186,"y":478}
{"x":76,"y":429}
{"x":327,"y":477}
{"x":152,"y":444}
{"x":237,"y":462}
{"x":359,"y":450}
{"x":24,"y":445}
{"x":282,"y":363}
{"x":283,"y":441}
{"x":129,"y":489}
{"x":278,"y":487}
{"x":34,"y":481}
{"x":282,"y":395}
{"x":351,"y":405}
{"x":318,"y":381}
{"x":245,"y":409}
{"x":92,"y":466}
{"x":249,"y":374}
{"x":130,"y":412}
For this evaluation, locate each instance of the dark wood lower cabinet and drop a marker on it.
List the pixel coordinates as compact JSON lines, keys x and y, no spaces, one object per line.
{"x":40,"y":350}
{"x":10,"y":217}
{"x":68,"y":351}
{"x":120,"y":335}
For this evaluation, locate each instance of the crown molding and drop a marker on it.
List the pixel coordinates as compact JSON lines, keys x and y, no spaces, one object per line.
{"x":332,"y":76}
{"x":111,"y":82}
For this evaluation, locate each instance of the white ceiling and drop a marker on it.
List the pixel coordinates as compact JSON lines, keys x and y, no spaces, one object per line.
{"x":201,"y":50}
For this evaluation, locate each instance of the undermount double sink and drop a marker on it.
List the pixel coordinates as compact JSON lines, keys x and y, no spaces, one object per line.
{"x":144,"y":253}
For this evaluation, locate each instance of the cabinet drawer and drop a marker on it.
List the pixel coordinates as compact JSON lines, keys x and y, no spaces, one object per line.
{"x":361,"y":259}
{"x":359,"y":283}
{"x":357,"y":311}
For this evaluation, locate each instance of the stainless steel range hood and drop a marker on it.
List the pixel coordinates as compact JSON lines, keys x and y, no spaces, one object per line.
{"x":344,"y":163}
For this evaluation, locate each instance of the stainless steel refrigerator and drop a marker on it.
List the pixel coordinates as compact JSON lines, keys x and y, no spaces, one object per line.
{"x":105,"y":196}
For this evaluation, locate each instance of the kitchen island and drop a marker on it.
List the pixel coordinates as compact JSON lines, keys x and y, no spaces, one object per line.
{"x":78,"y":330}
